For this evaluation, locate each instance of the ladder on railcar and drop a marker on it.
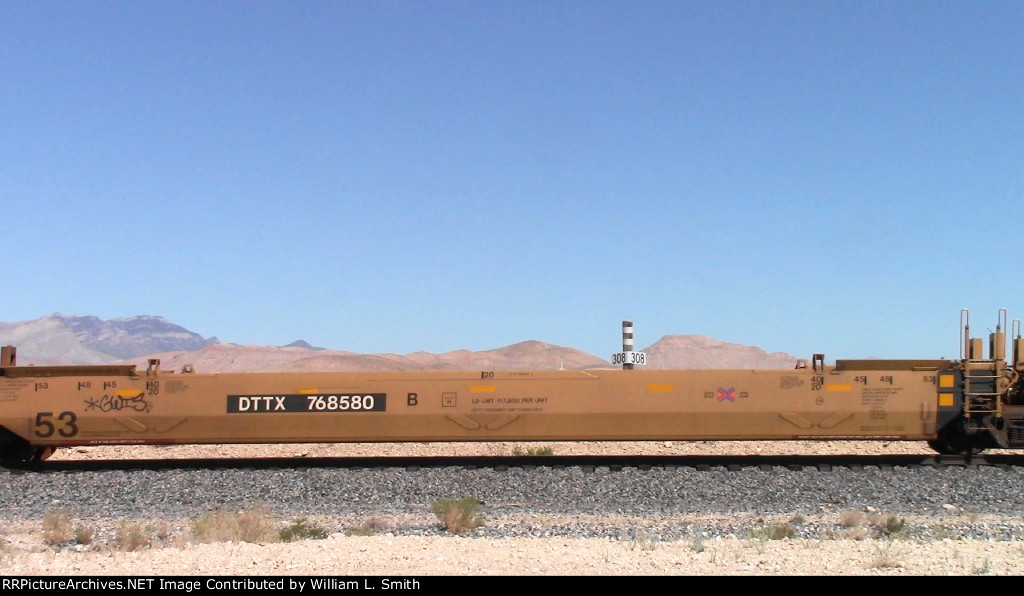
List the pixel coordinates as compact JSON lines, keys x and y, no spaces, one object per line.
{"x":982,"y":392}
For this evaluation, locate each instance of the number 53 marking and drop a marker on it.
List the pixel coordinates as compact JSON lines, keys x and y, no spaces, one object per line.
{"x":45,"y":428}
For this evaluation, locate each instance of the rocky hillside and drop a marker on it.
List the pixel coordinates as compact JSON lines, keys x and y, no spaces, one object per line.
{"x":63,"y":339}
{"x":698,"y":351}
{"x":672,"y":351}
{"x":534,"y":355}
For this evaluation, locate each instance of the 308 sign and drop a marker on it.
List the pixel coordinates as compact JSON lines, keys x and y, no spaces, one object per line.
{"x":629,"y":358}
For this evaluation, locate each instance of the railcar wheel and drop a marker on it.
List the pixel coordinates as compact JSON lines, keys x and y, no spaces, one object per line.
{"x":42,"y":453}
{"x":15,"y":451}
{"x":955,"y":443}
{"x":17,"y":455}
{"x":13,"y":457}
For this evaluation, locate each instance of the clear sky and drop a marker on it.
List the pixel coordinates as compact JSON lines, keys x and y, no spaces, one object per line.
{"x":384,"y":176}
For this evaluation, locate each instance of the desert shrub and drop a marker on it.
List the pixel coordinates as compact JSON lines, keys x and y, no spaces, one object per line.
{"x":850,"y":518}
{"x":57,"y":527}
{"x":773,"y":532}
{"x":84,"y":534}
{"x":368,"y":528}
{"x":131,"y":536}
{"x":939,"y":532}
{"x":983,"y":569}
{"x":302,"y":529}
{"x":887,"y":556}
{"x":223,"y":525}
{"x":891,"y":526}
{"x":644,"y":541}
{"x":459,"y":515}
{"x":698,"y":543}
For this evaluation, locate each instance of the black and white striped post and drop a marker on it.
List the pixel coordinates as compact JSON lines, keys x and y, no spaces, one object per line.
{"x":627,"y":357}
{"x":627,"y":343}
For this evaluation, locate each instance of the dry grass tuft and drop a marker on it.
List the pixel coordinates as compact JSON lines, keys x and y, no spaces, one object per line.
{"x":84,"y":534}
{"x":459,"y":515}
{"x":57,"y":527}
{"x":887,"y":556}
{"x":372,"y":526}
{"x":302,"y":529}
{"x":131,"y":536}
{"x":223,"y":525}
{"x":850,"y":518}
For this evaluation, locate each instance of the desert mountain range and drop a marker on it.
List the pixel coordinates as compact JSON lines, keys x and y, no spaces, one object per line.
{"x":63,"y":339}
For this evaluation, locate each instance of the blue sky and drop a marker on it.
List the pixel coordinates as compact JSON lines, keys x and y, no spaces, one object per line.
{"x":838,"y":177}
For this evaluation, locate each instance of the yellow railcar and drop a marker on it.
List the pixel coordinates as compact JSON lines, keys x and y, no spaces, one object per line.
{"x":957,"y":406}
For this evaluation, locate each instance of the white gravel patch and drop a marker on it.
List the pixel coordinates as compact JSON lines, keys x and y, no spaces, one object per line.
{"x":418,"y":556}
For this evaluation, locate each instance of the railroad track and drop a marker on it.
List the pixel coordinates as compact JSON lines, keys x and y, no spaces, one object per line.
{"x":586,"y":463}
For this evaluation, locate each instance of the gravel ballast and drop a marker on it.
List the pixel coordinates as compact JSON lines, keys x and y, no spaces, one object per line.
{"x":537,"y":521}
